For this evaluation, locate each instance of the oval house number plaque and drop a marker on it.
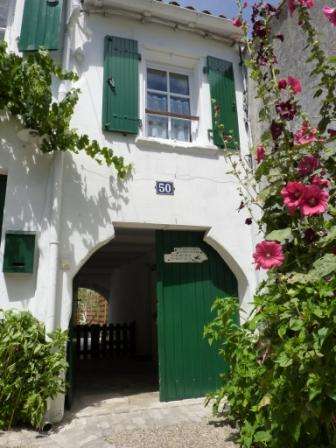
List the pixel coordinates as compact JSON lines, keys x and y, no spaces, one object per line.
{"x":186,"y":255}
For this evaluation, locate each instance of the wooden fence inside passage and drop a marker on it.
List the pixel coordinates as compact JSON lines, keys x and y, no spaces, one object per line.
{"x":102,"y":341}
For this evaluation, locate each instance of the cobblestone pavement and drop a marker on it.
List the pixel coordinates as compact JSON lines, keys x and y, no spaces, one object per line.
{"x":138,"y":421}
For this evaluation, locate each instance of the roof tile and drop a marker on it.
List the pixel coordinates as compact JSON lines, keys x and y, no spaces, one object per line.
{"x":192,"y":8}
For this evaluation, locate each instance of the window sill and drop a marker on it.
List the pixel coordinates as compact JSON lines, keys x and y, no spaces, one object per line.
{"x":163,"y":144}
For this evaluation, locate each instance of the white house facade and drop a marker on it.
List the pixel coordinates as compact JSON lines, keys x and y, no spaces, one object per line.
{"x":147,"y":74}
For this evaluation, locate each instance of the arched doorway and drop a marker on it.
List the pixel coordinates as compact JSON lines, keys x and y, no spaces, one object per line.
{"x":163,"y":283}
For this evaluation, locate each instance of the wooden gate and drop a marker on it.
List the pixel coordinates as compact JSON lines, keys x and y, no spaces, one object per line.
{"x":191,"y":275}
{"x":104,"y":341}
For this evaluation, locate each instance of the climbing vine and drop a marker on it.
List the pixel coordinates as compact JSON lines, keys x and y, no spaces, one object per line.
{"x":26,"y":93}
{"x":280,"y":386}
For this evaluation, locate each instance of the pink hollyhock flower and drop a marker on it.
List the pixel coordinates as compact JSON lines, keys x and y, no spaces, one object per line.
{"x":314,"y":201}
{"x":295,"y":84}
{"x":282,"y":84}
{"x":320,"y":182}
{"x":293,"y":4}
{"x":237,"y":22}
{"x":276,"y":129}
{"x":310,"y":235}
{"x":330,"y":14}
{"x":260,"y":153}
{"x":259,"y":29}
{"x":268,"y":255}
{"x":286,"y":110}
{"x":308,"y":165}
{"x":292,"y":195}
{"x":305,"y":135}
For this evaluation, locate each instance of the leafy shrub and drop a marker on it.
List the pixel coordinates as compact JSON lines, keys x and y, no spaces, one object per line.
{"x":31,"y":367}
{"x":281,"y":386}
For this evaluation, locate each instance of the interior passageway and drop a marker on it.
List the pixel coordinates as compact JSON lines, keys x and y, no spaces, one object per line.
{"x":119,"y":358}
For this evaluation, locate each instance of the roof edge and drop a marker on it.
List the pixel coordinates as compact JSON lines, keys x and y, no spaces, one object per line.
{"x":173,"y":15}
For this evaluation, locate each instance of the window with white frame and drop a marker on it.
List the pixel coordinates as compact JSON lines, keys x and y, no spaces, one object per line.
{"x":168,"y":110}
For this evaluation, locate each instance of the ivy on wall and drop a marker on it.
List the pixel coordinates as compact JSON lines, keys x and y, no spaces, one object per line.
{"x":25,"y":92}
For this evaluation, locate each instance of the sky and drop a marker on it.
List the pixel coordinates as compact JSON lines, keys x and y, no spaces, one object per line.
{"x":226,"y":7}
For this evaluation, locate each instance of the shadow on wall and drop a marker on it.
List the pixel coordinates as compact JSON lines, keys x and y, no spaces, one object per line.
{"x":27,"y":197}
{"x":89,"y":198}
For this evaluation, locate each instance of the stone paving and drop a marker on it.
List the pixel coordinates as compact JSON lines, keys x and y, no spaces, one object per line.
{"x":134,"y":421}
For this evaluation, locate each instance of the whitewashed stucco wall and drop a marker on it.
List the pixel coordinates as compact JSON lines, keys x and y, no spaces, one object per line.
{"x":94,"y":200}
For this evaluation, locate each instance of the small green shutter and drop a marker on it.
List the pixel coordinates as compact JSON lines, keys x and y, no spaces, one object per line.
{"x":223,"y":95}
{"x":41,"y":25}
{"x":3,"y":183}
{"x":121,"y":85}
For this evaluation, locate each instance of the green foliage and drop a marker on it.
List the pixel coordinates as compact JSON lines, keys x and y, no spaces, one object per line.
{"x":280,"y":389}
{"x":281,"y":386}
{"x":26,"y":93}
{"x":31,"y":368}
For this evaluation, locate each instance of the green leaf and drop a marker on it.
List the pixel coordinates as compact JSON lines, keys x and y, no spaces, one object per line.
{"x":280,"y":235}
{"x":265,"y":401}
{"x":296,"y":324}
{"x":332,"y":394}
{"x":262,"y":436}
{"x":284,"y":360}
{"x":329,"y":238}
{"x":298,"y":277}
{"x":324,"y":266}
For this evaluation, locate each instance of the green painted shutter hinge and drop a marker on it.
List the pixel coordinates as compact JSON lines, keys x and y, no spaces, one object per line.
{"x":125,"y":118}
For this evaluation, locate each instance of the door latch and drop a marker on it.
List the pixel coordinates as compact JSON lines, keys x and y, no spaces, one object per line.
{"x":111,"y":83}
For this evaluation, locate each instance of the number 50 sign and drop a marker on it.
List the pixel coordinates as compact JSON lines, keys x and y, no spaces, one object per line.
{"x":165,"y":188}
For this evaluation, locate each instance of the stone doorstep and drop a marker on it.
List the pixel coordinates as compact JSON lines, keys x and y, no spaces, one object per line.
{"x":161,"y":414}
{"x":110,"y":407}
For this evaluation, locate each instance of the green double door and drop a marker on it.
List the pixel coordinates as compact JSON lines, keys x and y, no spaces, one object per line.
{"x":191,"y":275}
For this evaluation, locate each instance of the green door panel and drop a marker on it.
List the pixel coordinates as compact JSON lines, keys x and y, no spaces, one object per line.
{"x":223,"y":95}
{"x":3,"y":184}
{"x":121,"y":85}
{"x":188,"y":366}
{"x":41,"y":25}
{"x":71,"y":354}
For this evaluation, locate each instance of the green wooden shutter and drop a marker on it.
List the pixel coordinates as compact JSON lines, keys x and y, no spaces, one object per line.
{"x":3,"y":183}
{"x":223,"y":95}
{"x":121,"y":86}
{"x":41,"y":25}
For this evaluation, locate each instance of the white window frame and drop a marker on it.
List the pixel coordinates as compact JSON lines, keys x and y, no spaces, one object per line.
{"x":176,"y":70}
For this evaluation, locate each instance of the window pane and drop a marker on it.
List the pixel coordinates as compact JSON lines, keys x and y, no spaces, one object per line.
{"x":157,"y":102}
{"x":180,"y":105}
{"x":181,"y":130}
{"x":156,"y":80}
{"x":179,"y":84}
{"x":157,"y":126}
